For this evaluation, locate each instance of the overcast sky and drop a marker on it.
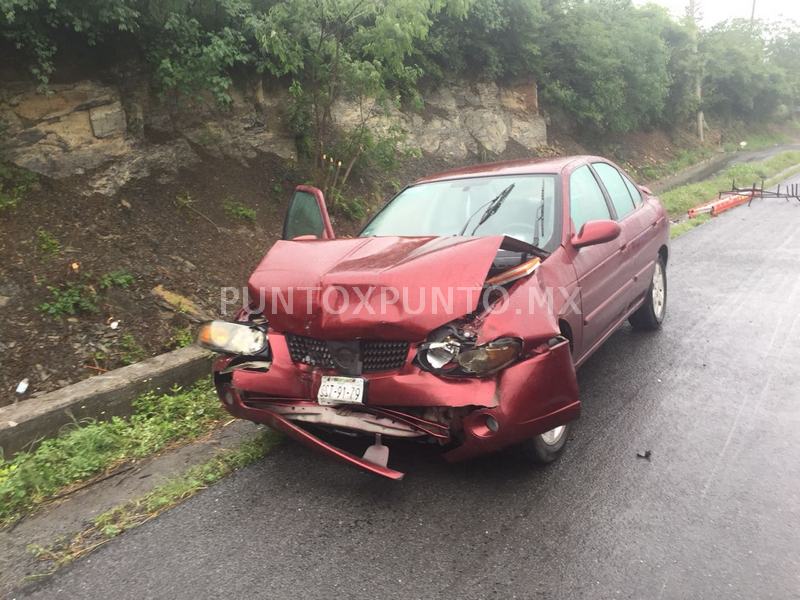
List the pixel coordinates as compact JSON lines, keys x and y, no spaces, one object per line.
{"x":715,"y":11}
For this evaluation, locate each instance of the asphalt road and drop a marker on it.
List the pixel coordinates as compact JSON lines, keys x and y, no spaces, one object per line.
{"x":715,"y":513}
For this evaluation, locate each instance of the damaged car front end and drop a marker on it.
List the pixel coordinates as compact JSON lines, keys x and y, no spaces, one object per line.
{"x":418,"y":337}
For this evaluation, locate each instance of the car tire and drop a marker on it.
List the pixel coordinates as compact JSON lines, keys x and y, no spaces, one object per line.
{"x":650,"y":315}
{"x":546,"y":447}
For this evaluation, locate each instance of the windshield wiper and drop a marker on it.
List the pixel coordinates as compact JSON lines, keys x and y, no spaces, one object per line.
{"x":539,"y":227}
{"x":493,"y":206}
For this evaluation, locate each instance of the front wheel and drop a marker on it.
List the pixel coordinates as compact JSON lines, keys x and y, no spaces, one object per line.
{"x":650,"y":315}
{"x":548,"y":446}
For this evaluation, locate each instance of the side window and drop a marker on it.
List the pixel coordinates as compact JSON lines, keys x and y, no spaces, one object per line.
{"x":615,"y":185}
{"x":586,"y":200}
{"x":635,"y":193}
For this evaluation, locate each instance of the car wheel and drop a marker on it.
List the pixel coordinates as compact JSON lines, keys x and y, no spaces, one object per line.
{"x":650,"y":315}
{"x":544,"y":448}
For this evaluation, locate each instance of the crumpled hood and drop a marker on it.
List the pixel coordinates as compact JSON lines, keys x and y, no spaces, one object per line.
{"x":397,"y":288}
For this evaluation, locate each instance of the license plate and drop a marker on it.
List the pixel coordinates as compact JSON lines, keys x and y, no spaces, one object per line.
{"x":341,"y":390}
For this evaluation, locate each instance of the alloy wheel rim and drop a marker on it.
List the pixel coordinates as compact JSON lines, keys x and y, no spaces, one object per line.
{"x":552,"y":437}
{"x":659,"y":291}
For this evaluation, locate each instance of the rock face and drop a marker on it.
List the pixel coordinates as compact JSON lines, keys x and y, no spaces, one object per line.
{"x":71,"y":130}
{"x":89,"y":127}
{"x":463,"y":120}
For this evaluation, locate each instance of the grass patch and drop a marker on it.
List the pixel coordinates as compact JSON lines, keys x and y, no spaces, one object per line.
{"x":679,"y":229}
{"x":679,"y":200}
{"x":137,"y":512}
{"x":94,"y":447}
{"x":685,"y":158}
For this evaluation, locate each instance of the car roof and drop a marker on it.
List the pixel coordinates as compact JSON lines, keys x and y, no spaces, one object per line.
{"x":527,"y":166}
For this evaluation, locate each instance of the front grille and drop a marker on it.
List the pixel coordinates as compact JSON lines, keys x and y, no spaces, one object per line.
{"x":383,"y":356}
{"x":376,"y":355}
{"x":309,"y":351}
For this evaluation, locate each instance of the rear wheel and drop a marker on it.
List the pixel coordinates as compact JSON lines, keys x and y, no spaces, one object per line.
{"x":548,"y":446}
{"x":651,"y":314}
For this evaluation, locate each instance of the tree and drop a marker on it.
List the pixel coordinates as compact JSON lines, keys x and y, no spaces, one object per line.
{"x":603,"y":64}
{"x":739,"y":81}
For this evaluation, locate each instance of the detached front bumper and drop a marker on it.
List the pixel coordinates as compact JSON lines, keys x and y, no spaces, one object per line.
{"x":528,"y":398}
{"x":234,"y":405}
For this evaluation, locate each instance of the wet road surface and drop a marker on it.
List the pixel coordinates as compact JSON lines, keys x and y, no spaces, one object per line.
{"x":715,"y":512}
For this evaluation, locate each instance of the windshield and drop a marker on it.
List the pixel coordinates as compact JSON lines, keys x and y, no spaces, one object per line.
{"x":527,"y":209}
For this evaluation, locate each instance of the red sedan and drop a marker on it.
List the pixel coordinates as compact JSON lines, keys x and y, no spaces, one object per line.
{"x":457,"y":317}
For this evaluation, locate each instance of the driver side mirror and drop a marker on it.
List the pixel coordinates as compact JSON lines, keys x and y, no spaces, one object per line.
{"x":596,"y":232}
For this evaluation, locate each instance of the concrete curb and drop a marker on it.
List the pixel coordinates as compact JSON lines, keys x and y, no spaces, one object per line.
{"x":700,"y":171}
{"x":102,"y":396}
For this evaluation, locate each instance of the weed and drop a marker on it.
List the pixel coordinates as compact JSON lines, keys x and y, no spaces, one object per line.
{"x":679,"y":229}
{"x":46,"y":243}
{"x":130,"y":350}
{"x":184,"y":200}
{"x":277,"y":189}
{"x":70,"y":299}
{"x":118,"y":278}
{"x":92,"y":447}
{"x":15,"y":184}
{"x":183,"y":337}
{"x":237,"y":210}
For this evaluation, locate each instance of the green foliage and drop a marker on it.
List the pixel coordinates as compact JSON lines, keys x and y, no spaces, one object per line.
{"x":608,"y":65}
{"x":130,"y":350}
{"x":91,"y":447}
{"x":496,"y":39}
{"x":46,"y":243}
{"x":191,"y":60}
{"x":351,"y":207}
{"x":183,"y":337}
{"x":69,"y":299}
{"x":15,"y":184}
{"x":740,"y":81}
{"x":166,"y":495}
{"x":237,"y":210}
{"x":119,"y":278}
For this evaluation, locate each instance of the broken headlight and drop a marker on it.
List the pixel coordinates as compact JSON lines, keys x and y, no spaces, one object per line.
{"x":452,"y":352}
{"x":232,"y":338}
{"x":491,"y":357}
